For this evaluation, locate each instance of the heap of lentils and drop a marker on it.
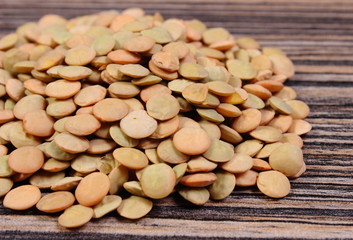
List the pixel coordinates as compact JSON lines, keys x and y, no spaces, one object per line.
{"x":123,"y":103}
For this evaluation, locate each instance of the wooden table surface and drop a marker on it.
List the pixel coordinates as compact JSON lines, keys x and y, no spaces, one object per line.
{"x":318,"y":36}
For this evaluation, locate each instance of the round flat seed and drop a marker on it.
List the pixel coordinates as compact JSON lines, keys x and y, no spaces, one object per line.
{"x":281,"y":64}
{"x":80,"y":56}
{"x":195,"y":93}
{"x":300,"y":109}
{"x":108,"y":204}
{"x":228,"y":110}
{"x":27,"y":104}
{"x":286,"y":93}
{"x":90,"y":95}
{"x":98,"y":146}
{"x":8,"y":41}
{"x":138,"y":124}
{"x":273,"y":184}
{"x":191,"y":141}
{"x":187,"y":122}
{"x":24,"y":66}
{"x":62,"y":89}
{"x":135,"y":207}
{"x":229,"y":134}
{"x":26,"y":159}
{"x":48,"y":60}
{"x":241,"y":69}
{"x":14,"y":89}
{"x":92,"y":189}
{"x":134,"y":104}
{"x":167,"y":151}
{"x":198,"y":179}
{"x":261,"y":62}
{"x":22,"y":197}
{"x":103,"y":44}
{"x":56,"y":202}
{"x":248,"y":43}
{"x":258,"y":91}
{"x":197,"y":196}
{"x":121,"y":138}
{"x":239,"y":163}
{"x":53,"y":165}
{"x":249,"y":147}
{"x":82,"y":125}
{"x":35,"y":86}
{"x":167,"y":75}
{"x":166,"y":128}
{"x":85,"y":163}
{"x":19,"y":138}
{"x":118,"y":176}
{"x":146,"y":81}
{"x":287,"y":159}
{"x":178,"y":85}
{"x":134,"y":70}
{"x":279,"y":105}
{"x":110,"y":110}
{"x":71,"y":143}
{"x":261,"y":165}
{"x":162,"y":107}
{"x":66,"y":184}
{"x":5,"y":170}
{"x":158,"y":180}
{"x":267,"y":114}
{"x":220,"y":88}
{"x":134,"y":187}
{"x":121,"y":56}
{"x":213,"y":35}
{"x":152,"y":155}
{"x":266,"y":133}
{"x":200,"y":164}
{"x":282,"y":122}
{"x":178,"y":49}
{"x":192,"y":71}
{"x":78,"y":40}
{"x":239,"y":96}
{"x":166,"y":60}
{"x":61,"y":108}
{"x":210,"y":128}
{"x":154,"y":90}
{"x":271,"y":85}
{"x":74,"y":73}
{"x":38,"y":123}
{"x":299,"y":127}
{"x":75,"y":216}
{"x":130,"y":157}
{"x":293,"y":139}
{"x":123,"y":89}
{"x":139,"y":44}
{"x":5,"y":186}
{"x":223,"y":186}
{"x":210,"y":115}
{"x":55,"y":152}
{"x":248,"y":121}
{"x":253,"y":101}
{"x":266,"y":151}
{"x":6,"y":116}
{"x":159,"y":34}
{"x":247,"y":179}
{"x":219,"y":151}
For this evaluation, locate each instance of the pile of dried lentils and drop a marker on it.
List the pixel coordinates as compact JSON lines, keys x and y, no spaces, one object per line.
{"x":108,"y":103}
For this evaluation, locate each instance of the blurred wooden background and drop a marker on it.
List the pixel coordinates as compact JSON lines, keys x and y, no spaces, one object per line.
{"x":318,"y":36}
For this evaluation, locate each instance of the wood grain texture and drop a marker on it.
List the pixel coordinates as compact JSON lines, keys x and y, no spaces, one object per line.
{"x":318,"y":36}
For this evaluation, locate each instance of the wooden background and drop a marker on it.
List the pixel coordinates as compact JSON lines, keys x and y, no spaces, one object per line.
{"x":318,"y":36}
